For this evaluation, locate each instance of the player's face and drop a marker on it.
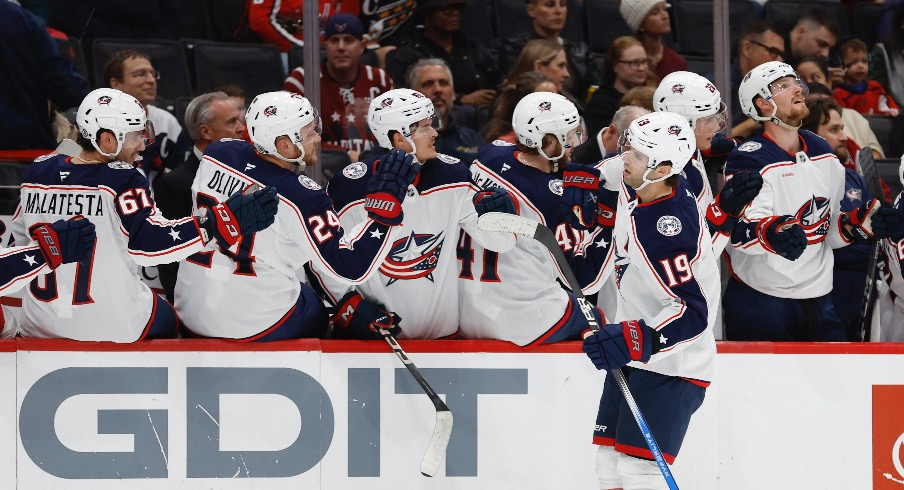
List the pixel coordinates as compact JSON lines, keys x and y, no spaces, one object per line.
{"x":631,"y":69}
{"x":132,"y":145}
{"x":225,"y":123}
{"x":789,"y":96}
{"x":556,"y":69}
{"x":657,"y":20}
{"x":833,"y":132}
{"x":310,"y":140}
{"x":434,"y":82}
{"x":810,"y":72}
{"x":139,"y":79}
{"x":856,"y":66}
{"x":705,"y":128}
{"x":548,"y":15}
{"x":424,"y":137}
{"x":635,"y":167}
{"x":343,"y":51}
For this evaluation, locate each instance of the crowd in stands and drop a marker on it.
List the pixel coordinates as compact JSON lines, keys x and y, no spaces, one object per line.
{"x":474,"y":79}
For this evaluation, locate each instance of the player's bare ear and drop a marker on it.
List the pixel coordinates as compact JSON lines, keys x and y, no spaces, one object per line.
{"x":397,"y":139}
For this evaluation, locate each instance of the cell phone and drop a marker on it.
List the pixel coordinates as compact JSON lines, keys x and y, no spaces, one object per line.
{"x":835,"y":60}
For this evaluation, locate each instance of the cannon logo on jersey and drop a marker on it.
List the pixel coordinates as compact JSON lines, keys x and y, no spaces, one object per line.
{"x":308,"y":183}
{"x":355,"y":170}
{"x":750,"y":146}
{"x":814,"y":218}
{"x":668,"y":225}
{"x":555,"y":186}
{"x":413,"y":257}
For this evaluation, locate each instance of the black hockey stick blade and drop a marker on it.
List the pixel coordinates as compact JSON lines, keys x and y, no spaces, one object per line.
{"x":442,"y":430}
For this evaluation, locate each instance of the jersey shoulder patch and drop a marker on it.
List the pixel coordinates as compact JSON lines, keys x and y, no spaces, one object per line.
{"x":309,"y":183}
{"x":750,"y":146}
{"x":502,"y":143}
{"x":447,"y":158}
{"x":555,"y":185}
{"x":355,"y":170}
{"x":44,"y":157}
{"x":668,"y":225}
{"x":120,"y":165}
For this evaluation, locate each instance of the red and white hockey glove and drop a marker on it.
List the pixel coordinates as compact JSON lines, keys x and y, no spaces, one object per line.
{"x":860,"y":221}
{"x":617,"y":344}
{"x":241,"y":214}
{"x":65,"y":241}
{"x":358,"y":318}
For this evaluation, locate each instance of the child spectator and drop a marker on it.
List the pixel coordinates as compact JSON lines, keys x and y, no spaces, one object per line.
{"x":856,"y":92}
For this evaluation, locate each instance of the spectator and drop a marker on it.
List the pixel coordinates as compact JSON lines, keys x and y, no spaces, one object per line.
{"x":500,"y":126}
{"x":33,"y":72}
{"x":856,"y":92}
{"x":433,"y":78}
{"x":759,"y":44}
{"x":849,"y":273}
{"x":546,"y":57}
{"x":548,"y":20}
{"x":856,"y":127}
{"x":91,"y":19}
{"x":281,"y":23}
{"x":813,"y":69}
{"x":626,"y":67}
{"x":346,"y":86}
{"x":649,"y":19}
{"x":888,"y":58}
{"x":209,"y":117}
{"x":639,"y":96}
{"x":815,"y":34}
{"x":132,"y":72}
{"x":475,"y":70}
{"x":237,"y":94}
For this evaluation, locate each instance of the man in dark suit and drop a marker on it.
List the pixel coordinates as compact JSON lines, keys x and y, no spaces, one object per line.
{"x":209,"y":117}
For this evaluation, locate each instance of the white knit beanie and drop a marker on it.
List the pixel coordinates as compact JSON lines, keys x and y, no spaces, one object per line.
{"x":634,"y":11}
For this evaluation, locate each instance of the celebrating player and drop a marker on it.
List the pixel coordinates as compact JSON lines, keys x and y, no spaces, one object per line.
{"x":668,"y":283}
{"x":514,"y":296}
{"x":102,"y":297}
{"x":418,"y":279}
{"x":257,"y":288}
{"x":781,"y":252}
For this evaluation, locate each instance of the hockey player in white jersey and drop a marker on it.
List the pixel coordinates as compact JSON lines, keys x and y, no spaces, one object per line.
{"x":63,"y":242}
{"x":891,"y":304}
{"x":781,"y":251}
{"x":256,"y":292}
{"x":514,"y":296}
{"x":103,"y":298}
{"x":668,"y":283}
{"x":418,"y":280}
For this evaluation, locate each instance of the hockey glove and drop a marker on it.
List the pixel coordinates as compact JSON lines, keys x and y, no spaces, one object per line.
{"x":496,"y":200}
{"x":386,"y":190}
{"x":608,"y":203}
{"x":782,"y":235}
{"x":617,"y":344}
{"x":65,"y":241}
{"x":862,"y":220}
{"x":241,"y":214}
{"x":358,"y":318}
{"x":738,"y":192}
{"x":888,"y":222}
{"x":579,"y":202}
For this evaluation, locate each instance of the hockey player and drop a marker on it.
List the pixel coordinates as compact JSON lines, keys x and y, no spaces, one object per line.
{"x":419,"y":278}
{"x":891,"y":304}
{"x":103,"y":298}
{"x":781,"y":251}
{"x":255,"y":292}
{"x":514,"y":296}
{"x":59,"y":243}
{"x":668,"y":283}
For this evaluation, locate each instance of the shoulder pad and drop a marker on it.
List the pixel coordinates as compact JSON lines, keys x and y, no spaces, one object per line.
{"x":355,"y":170}
{"x":447,"y":158}
{"x":120,"y":165}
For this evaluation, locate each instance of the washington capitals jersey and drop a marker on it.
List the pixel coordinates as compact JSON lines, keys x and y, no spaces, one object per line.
{"x":513,"y":296}
{"x":344,"y":106}
{"x":667,"y":275}
{"x":102,"y":298}
{"x":240,"y":292}
{"x":419,"y":278}
{"x":808,"y":186}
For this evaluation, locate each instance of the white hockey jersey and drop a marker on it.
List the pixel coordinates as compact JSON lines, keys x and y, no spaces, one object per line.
{"x":419,"y":278}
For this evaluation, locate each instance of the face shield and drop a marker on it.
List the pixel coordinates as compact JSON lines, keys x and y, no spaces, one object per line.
{"x":710,"y":125}
{"x":787,"y":83}
{"x":577,"y":136}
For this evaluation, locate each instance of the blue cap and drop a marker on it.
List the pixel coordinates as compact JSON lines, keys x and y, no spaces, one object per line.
{"x":343,"y":24}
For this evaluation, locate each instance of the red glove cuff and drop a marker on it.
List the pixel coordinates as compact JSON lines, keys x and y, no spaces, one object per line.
{"x":227,"y":224}
{"x":580,"y":179}
{"x":49,"y":243}
{"x":384,"y":205}
{"x":634,"y":338}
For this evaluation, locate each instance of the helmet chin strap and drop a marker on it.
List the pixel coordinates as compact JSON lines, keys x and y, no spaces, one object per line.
{"x":297,"y":161}
{"x":413,"y":149}
{"x":647,"y":181}
{"x":554,"y":160}
{"x":774,"y":119}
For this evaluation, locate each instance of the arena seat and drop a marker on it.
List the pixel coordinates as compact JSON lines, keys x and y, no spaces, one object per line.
{"x":865,"y":22}
{"x":167,"y":57}
{"x":511,"y":19}
{"x":604,"y":23}
{"x":257,"y":68}
{"x":693,"y":21}
{"x":785,"y":13}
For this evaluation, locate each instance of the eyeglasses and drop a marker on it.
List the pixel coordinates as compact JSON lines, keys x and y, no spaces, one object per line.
{"x":143,"y":73}
{"x":774,"y":53}
{"x":636,"y":64}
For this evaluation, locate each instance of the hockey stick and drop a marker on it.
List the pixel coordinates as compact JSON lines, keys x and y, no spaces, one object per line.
{"x":520,"y":225}
{"x":442,"y":431}
{"x":871,"y":176}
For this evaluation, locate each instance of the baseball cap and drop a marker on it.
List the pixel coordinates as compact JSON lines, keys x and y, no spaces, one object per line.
{"x":344,"y":24}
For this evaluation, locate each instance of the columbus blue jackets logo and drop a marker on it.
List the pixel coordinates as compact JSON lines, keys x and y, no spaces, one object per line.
{"x":814,"y":218}
{"x":678,"y":88}
{"x":668,"y":225}
{"x":621,"y":264}
{"x":270,"y":111}
{"x":104,"y":99}
{"x":750,"y":146}
{"x":855,"y":195}
{"x":386,"y":102}
{"x":555,"y":186}
{"x":355,"y":170}
{"x":545,"y":106}
{"x":413,"y":257}
{"x":308,"y":183}
{"x":675,"y":129}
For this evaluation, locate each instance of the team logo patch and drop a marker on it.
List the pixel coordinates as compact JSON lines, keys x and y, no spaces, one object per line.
{"x":854,"y":194}
{"x":814,"y":218}
{"x":355,"y":170}
{"x":104,"y":99}
{"x":502,"y":143}
{"x":44,"y":157}
{"x":270,"y":111}
{"x":675,"y":129}
{"x":120,"y":165}
{"x":386,"y":102}
{"x":668,"y":225}
{"x":340,"y":27}
{"x":309,"y":183}
{"x":447,"y":158}
{"x":678,"y":88}
{"x":750,"y":146}
{"x":417,"y":95}
{"x":545,"y":106}
{"x":413,"y":257}
{"x":555,"y":186}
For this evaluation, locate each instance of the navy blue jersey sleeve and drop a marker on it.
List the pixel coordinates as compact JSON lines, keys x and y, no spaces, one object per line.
{"x":18,"y":265}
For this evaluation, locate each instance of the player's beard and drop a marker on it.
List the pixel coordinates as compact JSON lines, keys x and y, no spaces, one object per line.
{"x":842,"y":153}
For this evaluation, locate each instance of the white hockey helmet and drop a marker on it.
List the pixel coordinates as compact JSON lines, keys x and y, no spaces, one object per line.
{"x":115,"y":111}
{"x":542,"y":113}
{"x":758,"y":82}
{"x":274,"y":114}
{"x":398,"y":110}
{"x":691,"y":96}
{"x":662,"y":137}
